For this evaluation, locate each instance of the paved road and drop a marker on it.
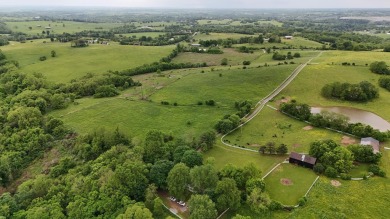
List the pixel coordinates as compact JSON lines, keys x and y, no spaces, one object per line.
{"x":260,"y":105}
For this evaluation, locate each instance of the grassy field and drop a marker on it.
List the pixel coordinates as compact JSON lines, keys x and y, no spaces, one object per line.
{"x":219,"y":22}
{"x":58,"y":27}
{"x":224,"y":155}
{"x":234,"y":57}
{"x":136,"y":118}
{"x":306,"y":88}
{"x":73,"y":63}
{"x":270,"y":123}
{"x":225,"y":86}
{"x":288,"y":183}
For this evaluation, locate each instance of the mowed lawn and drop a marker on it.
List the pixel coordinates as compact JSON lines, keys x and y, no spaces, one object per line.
{"x":232,"y":55}
{"x":58,"y":27}
{"x":288,"y":183}
{"x":306,"y":88}
{"x":72,"y":63}
{"x":224,"y":155}
{"x":136,"y":118}
{"x":272,"y":126}
{"x":225,"y":86}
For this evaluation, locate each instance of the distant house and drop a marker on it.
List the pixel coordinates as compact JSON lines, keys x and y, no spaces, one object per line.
{"x":302,"y":160}
{"x":288,"y":37}
{"x":195,"y":45}
{"x":371,"y":142}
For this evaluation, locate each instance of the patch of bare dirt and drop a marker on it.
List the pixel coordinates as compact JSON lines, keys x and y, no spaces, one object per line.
{"x":296,"y":145}
{"x":255,"y":145}
{"x":307,"y":128}
{"x":286,"y":182}
{"x":335,"y":183}
{"x":346,"y":140}
{"x":284,"y":100}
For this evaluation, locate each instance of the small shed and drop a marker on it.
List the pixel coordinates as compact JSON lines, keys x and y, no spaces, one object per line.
{"x":288,"y":37}
{"x":302,"y":160}
{"x":371,"y":142}
{"x":195,"y":45}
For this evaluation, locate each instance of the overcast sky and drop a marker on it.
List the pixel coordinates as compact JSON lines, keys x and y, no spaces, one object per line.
{"x":206,"y":3}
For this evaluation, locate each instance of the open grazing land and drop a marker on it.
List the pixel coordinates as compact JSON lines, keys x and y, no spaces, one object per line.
{"x":288,"y":183}
{"x":73,"y":63}
{"x":135,"y":111}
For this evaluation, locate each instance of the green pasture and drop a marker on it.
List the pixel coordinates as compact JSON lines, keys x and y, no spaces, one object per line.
{"x":217,"y":36}
{"x":136,"y":118}
{"x":371,"y":196}
{"x":224,"y":155}
{"x":299,"y":181}
{"x":58,"y":27}
{"x":272,"y":126}
{"x":225,"y":86}
{"x":306,"y":88}
{"x":72,"y":63}
{"x":234,"y":57}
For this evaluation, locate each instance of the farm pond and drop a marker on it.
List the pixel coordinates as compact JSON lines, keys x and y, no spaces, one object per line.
{"x":357,"y":115}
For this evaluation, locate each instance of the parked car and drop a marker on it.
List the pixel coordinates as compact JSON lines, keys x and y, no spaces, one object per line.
{"x":172,"y":198}
{"x":182,"y":203}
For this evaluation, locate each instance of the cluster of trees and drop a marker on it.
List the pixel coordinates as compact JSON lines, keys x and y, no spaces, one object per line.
{"x":332,"y":120}
{"x":271,"y":148}
{"x":334,"y":160}
{"x":380,"y":68}
{"x":103,"y":174}
{"x":162,"y":40}
{"x":243,"y":107}
{"x":216,"y":191}
{"x":227,"y":123}
{"x":362,"y":92}
{"x":385,"y":83}
{"x":106,"y":85}
{"x":278,"y":56}
{"x":162,"y":66}
{"x":3,"y":41}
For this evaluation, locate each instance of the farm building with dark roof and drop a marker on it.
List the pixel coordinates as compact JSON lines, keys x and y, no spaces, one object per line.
{"x":302,"y":160}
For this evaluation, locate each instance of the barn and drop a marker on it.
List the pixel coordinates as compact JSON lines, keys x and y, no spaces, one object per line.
{"x":302,"y":160}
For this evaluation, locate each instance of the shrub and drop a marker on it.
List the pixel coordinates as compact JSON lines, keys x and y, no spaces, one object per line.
{"x":375,"y":169}
{"x":246,"y":62}
{"x":319,"y":168}
{"x":302,"y":201}
{"x":345,"y":176}
{"x":42,"y":58}
{"x":331,"y":172}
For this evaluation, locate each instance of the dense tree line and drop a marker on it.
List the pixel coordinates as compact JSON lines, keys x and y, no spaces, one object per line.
{"x":25,"y":132}
{"x":362,"y":92}
{"x":162,"y":40}
{"x":332,"y":120}
{"x":106,"y":85}
{"x":162,"y":66}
